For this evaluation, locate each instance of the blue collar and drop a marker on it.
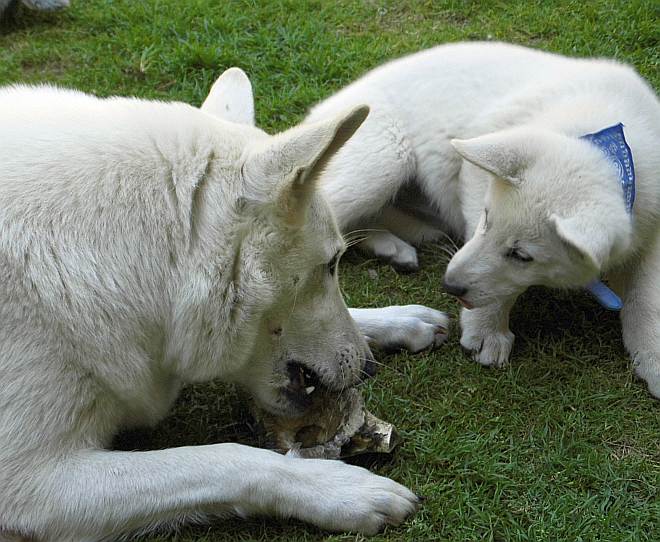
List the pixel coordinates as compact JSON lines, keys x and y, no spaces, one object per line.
{"x":613,"y":144}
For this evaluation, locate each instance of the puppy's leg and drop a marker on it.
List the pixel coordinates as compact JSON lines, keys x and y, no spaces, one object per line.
{"x":412,"y":327}
{"x":386,"y":246}
{"x":640,"y":318}
{"x":98,"y":495}
{"x":486,"y":334}
{"x":409,"y":228}
{"x":394,"y":236}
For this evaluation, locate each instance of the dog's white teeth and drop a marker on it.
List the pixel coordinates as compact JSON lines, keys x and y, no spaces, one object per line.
{"x":310,"y":389}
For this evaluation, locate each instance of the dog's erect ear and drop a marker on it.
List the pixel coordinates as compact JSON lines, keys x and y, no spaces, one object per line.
{"x":297,"y":157}
{"x":231,"y":98}
{"x":308,"y":149}
{"x":589,"y":240}
{"x":504,"y":154}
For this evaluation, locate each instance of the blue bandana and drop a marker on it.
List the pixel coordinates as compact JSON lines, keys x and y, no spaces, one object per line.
{"x":613,"y":144}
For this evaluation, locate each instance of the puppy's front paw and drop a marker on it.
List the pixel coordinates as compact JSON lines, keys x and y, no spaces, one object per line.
{"x":388,"y":247}
{"x":647,"y":368}
{"x":486,"y":336}
{"x":491,"y":350}
{"x":347,"y":498}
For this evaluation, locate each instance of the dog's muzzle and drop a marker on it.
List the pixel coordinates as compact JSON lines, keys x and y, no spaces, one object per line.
{"x":303,"y":382}
{"x":458,"y":292}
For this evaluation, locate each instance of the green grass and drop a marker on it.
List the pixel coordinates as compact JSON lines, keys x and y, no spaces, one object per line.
{"x":561,"y":445}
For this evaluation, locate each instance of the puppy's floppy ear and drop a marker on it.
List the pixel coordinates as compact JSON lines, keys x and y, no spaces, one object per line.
{"x":231,"y":98}
{"x":297,"y":157}
{"x":504,"y":154}
{"x":583,"y":238}
{"x":596,"y":239}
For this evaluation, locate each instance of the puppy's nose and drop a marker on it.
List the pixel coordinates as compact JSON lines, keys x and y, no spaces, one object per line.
{"x":370,"y":368}
{"x":454,"y":289}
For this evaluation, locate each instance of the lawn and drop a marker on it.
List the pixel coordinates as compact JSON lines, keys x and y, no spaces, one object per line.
{"x":563,"y":444}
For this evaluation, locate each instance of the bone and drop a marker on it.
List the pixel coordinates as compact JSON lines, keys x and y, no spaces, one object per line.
{"x":336,"y":426}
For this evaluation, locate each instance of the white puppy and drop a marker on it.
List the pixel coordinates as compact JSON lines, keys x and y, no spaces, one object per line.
{"x":487,"y":141}
{"x":145,"y":245}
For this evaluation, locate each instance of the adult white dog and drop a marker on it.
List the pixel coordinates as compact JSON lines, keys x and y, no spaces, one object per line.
{"x":521,"y":153}
{"x":144,"y":245}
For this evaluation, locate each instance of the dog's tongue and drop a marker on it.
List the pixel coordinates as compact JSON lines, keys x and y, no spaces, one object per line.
{"x":606,"y":297}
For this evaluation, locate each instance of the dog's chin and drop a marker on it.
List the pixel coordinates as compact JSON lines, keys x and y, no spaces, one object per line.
{"x":480,"y":301}
{"x":465,"y":303}
{"x":295,"y":398}
{"x":283,"y":408}
{"x":470,"y":303}
{"x":284,"y":404}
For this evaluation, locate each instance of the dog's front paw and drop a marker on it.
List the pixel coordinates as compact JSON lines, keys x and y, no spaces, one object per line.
{"x":341,"y":497}
{"x":388,"y":247}
{"x":408,"y":327}
{"x":647,"y":368}
{"x":491,"y":350}
{"x":486,"y":336}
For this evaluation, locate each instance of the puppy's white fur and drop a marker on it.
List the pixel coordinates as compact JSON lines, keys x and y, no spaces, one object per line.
{"x":464,"y":127}
{"x":145,"y":245}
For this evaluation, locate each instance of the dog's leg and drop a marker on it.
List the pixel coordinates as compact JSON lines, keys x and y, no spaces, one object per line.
{"x":640,"y":318}
{"x":412,"y":327}
{"x":393,"y":238}
{"x":98,"y":494}
{"x":409,"y":228}
{"x":486,"y":334}
{"x":386,"y":246}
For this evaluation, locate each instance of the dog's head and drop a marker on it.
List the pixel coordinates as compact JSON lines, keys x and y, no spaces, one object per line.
{"x":294,"y":329}
{"x":553,"y":215}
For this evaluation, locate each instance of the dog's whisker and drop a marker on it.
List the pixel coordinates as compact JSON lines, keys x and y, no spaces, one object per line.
{"x":381,"y":364}
{"x":451,"y":240}
{"x":442,"y":248}
{"x":352,"y":232}
{"x":354,"y":241}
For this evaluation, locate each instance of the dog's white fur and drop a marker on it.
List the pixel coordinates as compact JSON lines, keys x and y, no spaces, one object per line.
{"x":463,"y":127}
{"x":145,"y":245}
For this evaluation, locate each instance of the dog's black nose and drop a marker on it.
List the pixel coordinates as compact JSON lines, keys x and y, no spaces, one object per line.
{"x":370,"y":368}
{"x":454,"y":289}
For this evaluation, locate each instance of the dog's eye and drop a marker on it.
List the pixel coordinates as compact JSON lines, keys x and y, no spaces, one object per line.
{"x":332,"y":264}
{"x":516,"y":253}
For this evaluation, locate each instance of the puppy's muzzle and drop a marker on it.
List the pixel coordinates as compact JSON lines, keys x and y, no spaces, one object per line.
{"x":454,"y":289}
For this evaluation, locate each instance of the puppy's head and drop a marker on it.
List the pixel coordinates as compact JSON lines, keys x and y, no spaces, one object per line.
{"x":554,"y":215}
{"x":304,"y":338}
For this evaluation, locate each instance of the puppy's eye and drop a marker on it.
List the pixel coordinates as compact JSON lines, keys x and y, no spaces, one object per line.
{"x":332,"y":264}
{"x":515,"y":253}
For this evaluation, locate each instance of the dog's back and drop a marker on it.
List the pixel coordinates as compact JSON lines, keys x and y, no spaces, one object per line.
{"x":463,"y":90}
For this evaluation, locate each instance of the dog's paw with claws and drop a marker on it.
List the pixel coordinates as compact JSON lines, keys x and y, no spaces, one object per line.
{"x":646,"y":366}
{"x":489,"y":349}
{"x":388,"y":247}
{"x":347,"y":498}
{"x":408,"y":327}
